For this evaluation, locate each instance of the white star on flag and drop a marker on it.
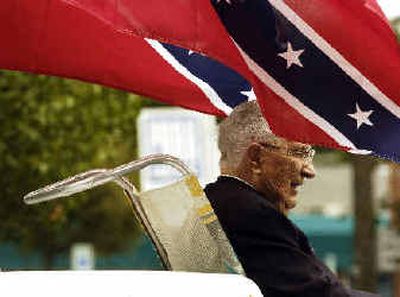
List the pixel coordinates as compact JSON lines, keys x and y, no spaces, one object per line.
{"x":249,"y":94}
{"x":362,"y":117}
{"x":190,"y":52}
{"x":227,"y":1}
{"x":291,"y":56}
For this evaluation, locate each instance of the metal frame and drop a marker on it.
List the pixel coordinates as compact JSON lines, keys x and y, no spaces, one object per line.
{"x":98,"y":177}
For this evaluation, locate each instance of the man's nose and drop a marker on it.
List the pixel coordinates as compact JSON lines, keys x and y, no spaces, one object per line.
{"x":308,"y":170}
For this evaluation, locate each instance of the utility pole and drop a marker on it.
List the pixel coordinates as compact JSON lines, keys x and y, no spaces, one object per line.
{"x":366,"y":271}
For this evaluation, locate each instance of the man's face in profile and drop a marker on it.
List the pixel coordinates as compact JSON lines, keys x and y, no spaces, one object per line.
{"x":283,"y":167}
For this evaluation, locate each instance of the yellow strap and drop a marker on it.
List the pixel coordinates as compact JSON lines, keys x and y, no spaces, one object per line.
{"x":194,"y":186}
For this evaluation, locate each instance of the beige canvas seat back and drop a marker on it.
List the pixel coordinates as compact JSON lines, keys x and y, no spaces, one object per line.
{"x":188,"y":229}
{"x":178,"y":217}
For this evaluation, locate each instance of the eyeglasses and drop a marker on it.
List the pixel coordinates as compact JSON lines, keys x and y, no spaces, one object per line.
{"x":305,"y":152}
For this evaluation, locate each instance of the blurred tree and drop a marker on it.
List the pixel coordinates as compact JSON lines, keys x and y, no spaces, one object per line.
{"x":394,"y":196}
{"x":365,"y":246}
{"x":394,"y":203}
{"x":52,"y":128}
{"x":396,"y":27}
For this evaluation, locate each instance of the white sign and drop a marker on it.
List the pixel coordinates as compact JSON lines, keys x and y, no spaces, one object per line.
{"x":82,"y":256}
{"x":124,"y":284}
{"x":188,"y":135}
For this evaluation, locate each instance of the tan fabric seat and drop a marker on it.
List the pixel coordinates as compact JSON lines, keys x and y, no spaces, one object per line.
{"x":187,"y":228}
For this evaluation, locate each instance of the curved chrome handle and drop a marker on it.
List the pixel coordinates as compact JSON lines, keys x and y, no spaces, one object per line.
{"x":96,"y":177}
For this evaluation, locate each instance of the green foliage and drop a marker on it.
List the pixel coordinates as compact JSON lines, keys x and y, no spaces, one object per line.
{"x":50,"y":129}
{"x":396,"y":27}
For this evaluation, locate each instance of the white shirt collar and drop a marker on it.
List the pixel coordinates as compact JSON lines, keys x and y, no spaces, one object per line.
{"x":239,"y":179}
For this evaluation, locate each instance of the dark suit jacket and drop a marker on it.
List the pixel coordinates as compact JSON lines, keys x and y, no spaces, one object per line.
{"x":274,"y":253}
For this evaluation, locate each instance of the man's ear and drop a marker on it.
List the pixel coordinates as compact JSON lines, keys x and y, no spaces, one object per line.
{"x":254,"y":153}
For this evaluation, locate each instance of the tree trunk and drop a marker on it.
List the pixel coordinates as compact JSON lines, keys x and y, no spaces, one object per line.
{"x":366,"y":273}
{"x":394,"y":186}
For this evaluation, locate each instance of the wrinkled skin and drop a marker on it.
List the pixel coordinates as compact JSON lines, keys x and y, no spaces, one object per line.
{"x":276,"y":174}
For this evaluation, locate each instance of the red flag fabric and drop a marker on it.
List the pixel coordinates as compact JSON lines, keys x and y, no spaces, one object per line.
{"x":107,"y":42}
{"x":360,"y":32}
{"x":103,"y":42}
{"x":326,"y":71}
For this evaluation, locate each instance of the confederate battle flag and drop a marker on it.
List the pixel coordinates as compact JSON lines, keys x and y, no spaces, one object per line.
{"x":324,"y":72}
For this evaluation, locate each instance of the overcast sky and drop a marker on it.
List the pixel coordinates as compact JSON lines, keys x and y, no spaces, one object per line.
{"x":390,"y":7}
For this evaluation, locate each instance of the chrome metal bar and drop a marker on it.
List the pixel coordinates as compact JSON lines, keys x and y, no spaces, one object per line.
{"x":97,"y":177}
{"x":153,"y":159}
{"x":69,"y":186}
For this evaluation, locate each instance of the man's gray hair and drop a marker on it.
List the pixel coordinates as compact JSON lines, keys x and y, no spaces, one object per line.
{"x":244,"y":126}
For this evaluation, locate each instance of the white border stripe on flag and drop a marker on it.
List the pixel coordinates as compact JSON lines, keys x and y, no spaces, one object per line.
{"x":296,"y":104}
{"x":336,"y":57}
{"x":208,"y":91}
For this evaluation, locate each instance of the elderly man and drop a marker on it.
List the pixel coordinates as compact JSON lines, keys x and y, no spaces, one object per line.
{"x":261,"y":174}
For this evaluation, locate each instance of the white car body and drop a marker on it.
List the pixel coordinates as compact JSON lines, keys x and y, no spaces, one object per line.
{"x":124,"y":284}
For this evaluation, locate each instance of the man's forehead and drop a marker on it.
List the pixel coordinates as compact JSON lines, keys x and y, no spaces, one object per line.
{"x":299,"y":145}
{"x":292,"y":144}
